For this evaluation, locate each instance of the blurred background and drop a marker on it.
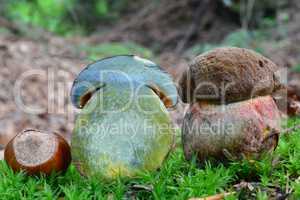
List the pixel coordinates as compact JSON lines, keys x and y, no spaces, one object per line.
{"x":59,"y":37}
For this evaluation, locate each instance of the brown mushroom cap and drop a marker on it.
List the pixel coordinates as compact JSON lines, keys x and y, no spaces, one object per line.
{"x":247,"y":128}
{"x":38,"y":152}
{"x":228,"y":74}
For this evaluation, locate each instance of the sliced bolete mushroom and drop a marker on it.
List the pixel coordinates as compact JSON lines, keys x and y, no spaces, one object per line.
{"x":228,"y":74}
{"x":118,"y":68}
{"x":222,"y":132}
{"x":124,"y":126}
{"x":37,"y":152}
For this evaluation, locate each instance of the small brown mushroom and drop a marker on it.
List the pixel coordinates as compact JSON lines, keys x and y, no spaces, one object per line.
{"x":228,"y":74}
{"x":38,"y":152}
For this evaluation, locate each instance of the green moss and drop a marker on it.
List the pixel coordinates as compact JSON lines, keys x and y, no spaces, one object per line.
{"x":47,"y":14}
{"x":176,"y":179}
{"x":109,"y":49}
{"x":239,"y":38}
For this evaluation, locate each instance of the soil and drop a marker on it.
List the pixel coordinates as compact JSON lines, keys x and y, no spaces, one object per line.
{"x":44,"y":70}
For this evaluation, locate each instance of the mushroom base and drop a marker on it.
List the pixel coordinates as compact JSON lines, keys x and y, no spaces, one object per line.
{"x":233,"y":131}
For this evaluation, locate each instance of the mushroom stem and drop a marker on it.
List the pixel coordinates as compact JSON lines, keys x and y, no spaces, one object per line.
{"x":245,"y":128}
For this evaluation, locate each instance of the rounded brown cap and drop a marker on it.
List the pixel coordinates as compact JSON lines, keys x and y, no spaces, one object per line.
{"x":228,"y":74}
{"x":37,"y":152}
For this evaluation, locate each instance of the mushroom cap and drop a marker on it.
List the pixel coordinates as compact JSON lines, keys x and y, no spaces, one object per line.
{"x":228,"y":74}
{"x":132,"y":68}
{"x":38,"y":152}
{"x":247,"y":128}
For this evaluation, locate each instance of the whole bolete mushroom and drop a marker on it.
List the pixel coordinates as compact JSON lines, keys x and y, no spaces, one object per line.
{"x":124,"y":126}
{"x":232,"y":113}
{"x":37,"y":152}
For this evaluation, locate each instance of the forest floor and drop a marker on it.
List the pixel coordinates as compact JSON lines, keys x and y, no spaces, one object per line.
{"x":273,"y":177}
{"x":58,"y":60}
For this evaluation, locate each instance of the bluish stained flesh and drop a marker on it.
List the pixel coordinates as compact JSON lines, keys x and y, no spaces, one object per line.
{"x":132,"y":68}
{"x":123,"y":129}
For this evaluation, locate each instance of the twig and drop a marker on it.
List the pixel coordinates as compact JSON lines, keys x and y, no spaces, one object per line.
{"x":215,"y":197}
{"x":148,"y":188}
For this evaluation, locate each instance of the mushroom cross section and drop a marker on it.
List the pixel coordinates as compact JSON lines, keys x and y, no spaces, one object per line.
{"x":132,"y":68}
